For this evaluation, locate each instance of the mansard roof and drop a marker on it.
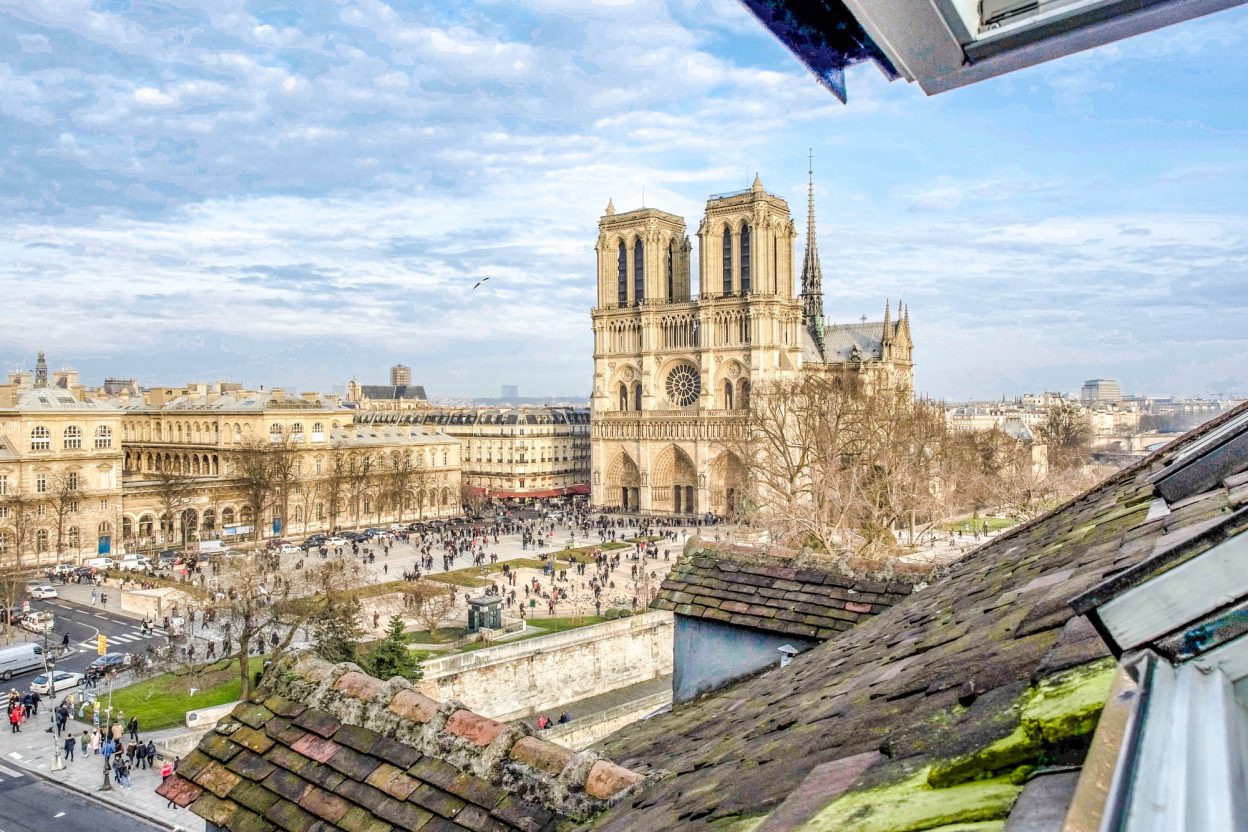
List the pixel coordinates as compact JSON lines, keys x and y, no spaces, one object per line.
{"x":917,"y":717}
{"x":58,"y":400}
{"x":394,"y":392}
{"x":329,"y":747}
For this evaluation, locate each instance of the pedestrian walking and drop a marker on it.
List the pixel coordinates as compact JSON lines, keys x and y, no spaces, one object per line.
{"x":133,"y":728}
{"x":15,"y":719}
{"x":84,"y":742}
{"x":151,"y":754}
{"x":70,"y":742}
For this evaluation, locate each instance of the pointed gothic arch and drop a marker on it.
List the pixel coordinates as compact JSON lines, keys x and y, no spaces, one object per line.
{"x":673,"y":482}
{"x":623,"y":482}
{"x":728,"y":484}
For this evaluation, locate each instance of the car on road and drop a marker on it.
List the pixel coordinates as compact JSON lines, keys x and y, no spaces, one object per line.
{"x":110,"y":662}
{"x":61,"y":680}
{"x":336,"y":541}
{"x":15,"y":615}
{"x":42,"y":592}
{"x":19,"y":658}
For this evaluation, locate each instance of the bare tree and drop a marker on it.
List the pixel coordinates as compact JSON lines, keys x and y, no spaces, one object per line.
{"x":839,"y":466}
{"x":265,"y":472}
{"x":429,"y":603}
{"x":404,"y":475}
{"x":1068,"y":433}
{"x":336,"y":484}
{"x":63,"y":498}
{"x":360,"y":473}
{"x":17,"y":521}
{"x":174,"y":491}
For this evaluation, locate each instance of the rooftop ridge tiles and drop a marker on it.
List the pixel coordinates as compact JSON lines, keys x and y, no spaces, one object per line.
{"x":506,"y":756}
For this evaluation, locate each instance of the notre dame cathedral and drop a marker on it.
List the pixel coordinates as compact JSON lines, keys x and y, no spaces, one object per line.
{"x":673,"y":370}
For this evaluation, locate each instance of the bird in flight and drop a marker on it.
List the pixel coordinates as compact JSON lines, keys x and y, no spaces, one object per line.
{"x":479,"y":282}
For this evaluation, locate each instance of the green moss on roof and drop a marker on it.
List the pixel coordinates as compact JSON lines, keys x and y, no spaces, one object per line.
{"x":912,"y":805}
{"x":1058,"y":709}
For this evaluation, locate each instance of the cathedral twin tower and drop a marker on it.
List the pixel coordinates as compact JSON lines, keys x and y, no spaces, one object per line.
{"x":673,"y":371}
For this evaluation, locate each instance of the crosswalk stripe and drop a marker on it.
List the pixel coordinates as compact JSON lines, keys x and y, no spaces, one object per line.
{"x":10,"y":772}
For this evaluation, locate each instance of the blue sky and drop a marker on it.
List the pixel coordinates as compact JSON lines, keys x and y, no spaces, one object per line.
{"x":297,"y":193}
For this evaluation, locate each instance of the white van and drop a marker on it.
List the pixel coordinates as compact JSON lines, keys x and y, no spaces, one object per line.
{"x":131,"y":563}
{"x":101,"y":563}
{"x":18,"y":659}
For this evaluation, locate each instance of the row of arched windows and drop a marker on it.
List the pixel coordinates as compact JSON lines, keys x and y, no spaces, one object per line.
{"x":71,"y":439}
{"x":639,"y":272}
{"x":210,"y":433}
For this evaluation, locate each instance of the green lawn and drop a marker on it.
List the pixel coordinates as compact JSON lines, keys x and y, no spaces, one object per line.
{"x":163,"y":701}
{"x":460,"y":577}
{"x":546,"y":625}
{"x":445,"y":634}
{"x":994,"y":523}
{"x":615,"y":544}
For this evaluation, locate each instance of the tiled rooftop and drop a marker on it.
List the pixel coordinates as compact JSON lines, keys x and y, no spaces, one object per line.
{"x":926,"y":714}
{"x":777,"y":594}
{"x":329,"y":747}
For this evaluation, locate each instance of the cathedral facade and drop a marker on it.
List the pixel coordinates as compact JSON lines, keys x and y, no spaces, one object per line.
{"x":674,"y":370}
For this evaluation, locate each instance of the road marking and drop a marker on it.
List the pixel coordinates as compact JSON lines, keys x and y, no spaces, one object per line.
{"x":59,"y":815}
{"x":10,"y":772}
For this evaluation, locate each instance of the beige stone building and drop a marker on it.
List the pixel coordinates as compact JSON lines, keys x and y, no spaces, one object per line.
{"x":60,"y":469}
{"x":516,"y":453}
{"x":673,"y":370}
{"x":342,"y":474}
{"x":84,"y":473}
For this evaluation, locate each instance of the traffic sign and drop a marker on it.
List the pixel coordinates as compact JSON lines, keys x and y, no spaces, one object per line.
{"x":101,"y":644}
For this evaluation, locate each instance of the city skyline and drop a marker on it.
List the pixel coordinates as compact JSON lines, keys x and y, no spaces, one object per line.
{"x":295,"y":200}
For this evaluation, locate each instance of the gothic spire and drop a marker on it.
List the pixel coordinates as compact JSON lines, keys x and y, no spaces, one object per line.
{"x":812,"y":274}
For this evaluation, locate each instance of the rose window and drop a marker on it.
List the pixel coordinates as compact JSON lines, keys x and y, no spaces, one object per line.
{"x":683,"y":385}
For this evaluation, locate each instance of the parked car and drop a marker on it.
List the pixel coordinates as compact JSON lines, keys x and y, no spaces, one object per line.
{"x":353,"y":536}
{"x":18,"y":659}
{"x":42,"y":592}
{"x":313,"y":541}
{"x":39,"y":621}
{"x":61,"y":680}
{"x":134,"y":563}
{"x":110,"y":662}
{"x":372,"y":532}
{"x":102,"y":563}
{"x":336,"y":541}
{"x":16,"y":615}
{"x":289,"y":549}
{"x":83,"y":571}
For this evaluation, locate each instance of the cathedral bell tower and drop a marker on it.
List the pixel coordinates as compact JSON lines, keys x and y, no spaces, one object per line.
{"x":643,"y":256}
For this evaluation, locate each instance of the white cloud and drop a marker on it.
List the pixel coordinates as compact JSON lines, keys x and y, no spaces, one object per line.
{"x":34,"y":44}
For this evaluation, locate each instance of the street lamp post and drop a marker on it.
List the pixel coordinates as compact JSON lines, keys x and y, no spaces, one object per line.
{"x":49,"y":672}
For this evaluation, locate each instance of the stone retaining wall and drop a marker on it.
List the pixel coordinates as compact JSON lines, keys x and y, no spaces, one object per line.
{"x":512,"y":681}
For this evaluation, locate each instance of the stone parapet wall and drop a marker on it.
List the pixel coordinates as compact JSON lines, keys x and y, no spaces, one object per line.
{"x":584,"y":732}
{"x":513,"y":681}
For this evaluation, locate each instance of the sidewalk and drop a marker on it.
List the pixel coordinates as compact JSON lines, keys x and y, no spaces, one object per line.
{"x":32,"y":749}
